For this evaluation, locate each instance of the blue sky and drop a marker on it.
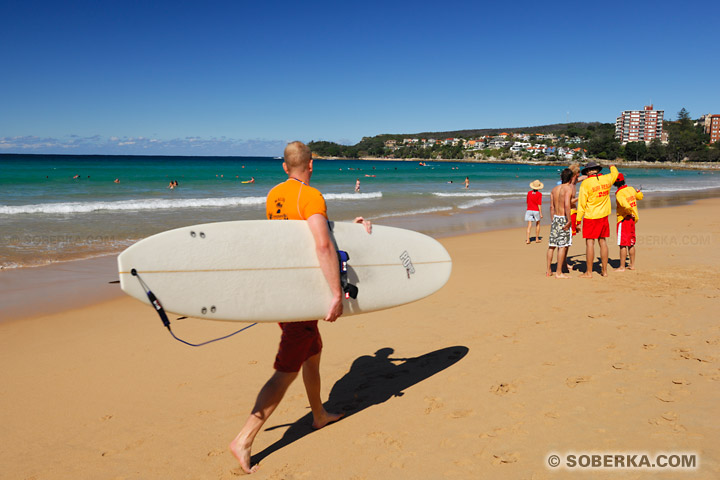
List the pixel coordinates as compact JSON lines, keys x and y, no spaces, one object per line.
{"x":243,"y":78}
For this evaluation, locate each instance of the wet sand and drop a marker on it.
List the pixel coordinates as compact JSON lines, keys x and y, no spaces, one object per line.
{"x":484,"y":379}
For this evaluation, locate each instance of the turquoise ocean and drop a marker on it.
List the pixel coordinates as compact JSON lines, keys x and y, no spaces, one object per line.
{"x":59,"y":208}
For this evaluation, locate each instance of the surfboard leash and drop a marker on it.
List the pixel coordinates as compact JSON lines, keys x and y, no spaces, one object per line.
{"x":166,"y":321}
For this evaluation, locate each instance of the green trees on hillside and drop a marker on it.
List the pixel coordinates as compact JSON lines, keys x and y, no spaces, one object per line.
{"x":685,"y":141}
{"x":603,"y":144}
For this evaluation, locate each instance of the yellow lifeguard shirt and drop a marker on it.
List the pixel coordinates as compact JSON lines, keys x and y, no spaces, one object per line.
{"x":626,"y":199}
{"x":594,"y":197}
{"x":294,"y":200}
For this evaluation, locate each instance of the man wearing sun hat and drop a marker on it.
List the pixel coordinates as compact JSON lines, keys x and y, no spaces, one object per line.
{"x":626,"y":198}
{"x":594,"y":208}
{"x":534,"y":209}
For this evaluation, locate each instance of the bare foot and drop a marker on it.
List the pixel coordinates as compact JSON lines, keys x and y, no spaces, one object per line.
{"x":631,"y":268}
{"x":586,"y":275}
{"x":548,"y":274}
{"x":562,"y":275}
{"x":604,"y":273}
{"x":537,"y":241}
{"x":327,"y":419}
{"x":242,"y":453}
{"x":527,"y":242}
{"x":621,"y":269}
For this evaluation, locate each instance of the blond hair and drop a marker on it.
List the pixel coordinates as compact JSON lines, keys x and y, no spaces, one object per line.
{"x":297,"y":156}
{"x":575,"y":167}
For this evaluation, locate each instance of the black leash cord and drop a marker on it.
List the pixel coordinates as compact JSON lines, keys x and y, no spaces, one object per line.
{"x":209,"y":341}
{"x":166,"y":321}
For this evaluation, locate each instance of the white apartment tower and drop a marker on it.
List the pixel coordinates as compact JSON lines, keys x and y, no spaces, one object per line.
{"x":639,"y":125}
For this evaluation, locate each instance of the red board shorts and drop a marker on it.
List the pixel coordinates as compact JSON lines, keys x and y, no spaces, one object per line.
{"x":299,"y":341}
{"x":573,"y":223}
{"x":596,"y":228}
{"x":626,"y":232}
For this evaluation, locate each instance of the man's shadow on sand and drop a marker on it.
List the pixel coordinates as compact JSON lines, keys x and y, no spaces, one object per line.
{"x":578,"y":263}
{"x":372,"y":380}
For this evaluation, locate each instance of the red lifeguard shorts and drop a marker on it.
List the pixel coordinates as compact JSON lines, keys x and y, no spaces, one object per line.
{"x":299,"y":341}
{"x":596,"y":228}
{"x":626,"y":232}
{"x":573,"y":223}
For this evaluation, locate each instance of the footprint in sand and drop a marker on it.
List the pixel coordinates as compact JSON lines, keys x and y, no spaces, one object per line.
{"x":495,"y":432}
{"x":573,"y":382}
{"x":688,"y":355}
{"x":649,"y":346}
{"x":503,"y":389}
{"x":680,"y":381}
{"x":456,"y":414}
{"x":714,"y":375}
{"x":504,"y":458}
{"x":215,"y":453}
{"x":433,"y":404}
{"x":620,"y":366}
{"x":668,"y":419}
{"x":666,"y":397}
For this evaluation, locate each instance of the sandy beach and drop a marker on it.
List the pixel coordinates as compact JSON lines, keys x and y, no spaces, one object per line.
{"x":484,"y":379}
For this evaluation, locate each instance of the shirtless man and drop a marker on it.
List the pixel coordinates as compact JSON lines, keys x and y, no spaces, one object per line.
{"x":300,"y":344}
{"x":560,"y":236}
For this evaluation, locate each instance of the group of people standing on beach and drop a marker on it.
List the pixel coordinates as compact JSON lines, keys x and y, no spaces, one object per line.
{"x":591,"y":208}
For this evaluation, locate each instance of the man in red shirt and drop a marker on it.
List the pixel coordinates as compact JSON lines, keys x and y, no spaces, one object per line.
{"x":534,"y":210}
{"x":300,"y":344}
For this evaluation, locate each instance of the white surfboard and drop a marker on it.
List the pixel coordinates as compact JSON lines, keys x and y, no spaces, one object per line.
{"x":267,"y":271}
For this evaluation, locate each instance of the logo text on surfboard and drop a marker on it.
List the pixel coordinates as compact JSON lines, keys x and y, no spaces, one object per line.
{"x":407,"y":263}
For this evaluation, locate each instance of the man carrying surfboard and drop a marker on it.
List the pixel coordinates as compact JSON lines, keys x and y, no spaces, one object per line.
{"x":300,"y":344}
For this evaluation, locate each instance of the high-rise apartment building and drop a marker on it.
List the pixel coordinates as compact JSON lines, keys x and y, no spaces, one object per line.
{"x":639,"y":125}
{"x":714,"y":128}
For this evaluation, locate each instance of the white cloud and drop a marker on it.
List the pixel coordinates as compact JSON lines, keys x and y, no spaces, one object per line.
{"x":141,"y":145}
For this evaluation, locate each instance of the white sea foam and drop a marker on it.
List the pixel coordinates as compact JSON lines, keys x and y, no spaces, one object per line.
{"x":478,"y":194}
{"x":414,"y":212}
{"x":158,"y":204}
{"x":476,"y":203}
{"x":130,"y":205}
{"x":679,"y":189}
{"x":352,"y":196}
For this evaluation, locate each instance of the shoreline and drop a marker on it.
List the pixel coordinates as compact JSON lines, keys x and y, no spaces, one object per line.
{"x":37,"y":290}
{"x":436,"y":224}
